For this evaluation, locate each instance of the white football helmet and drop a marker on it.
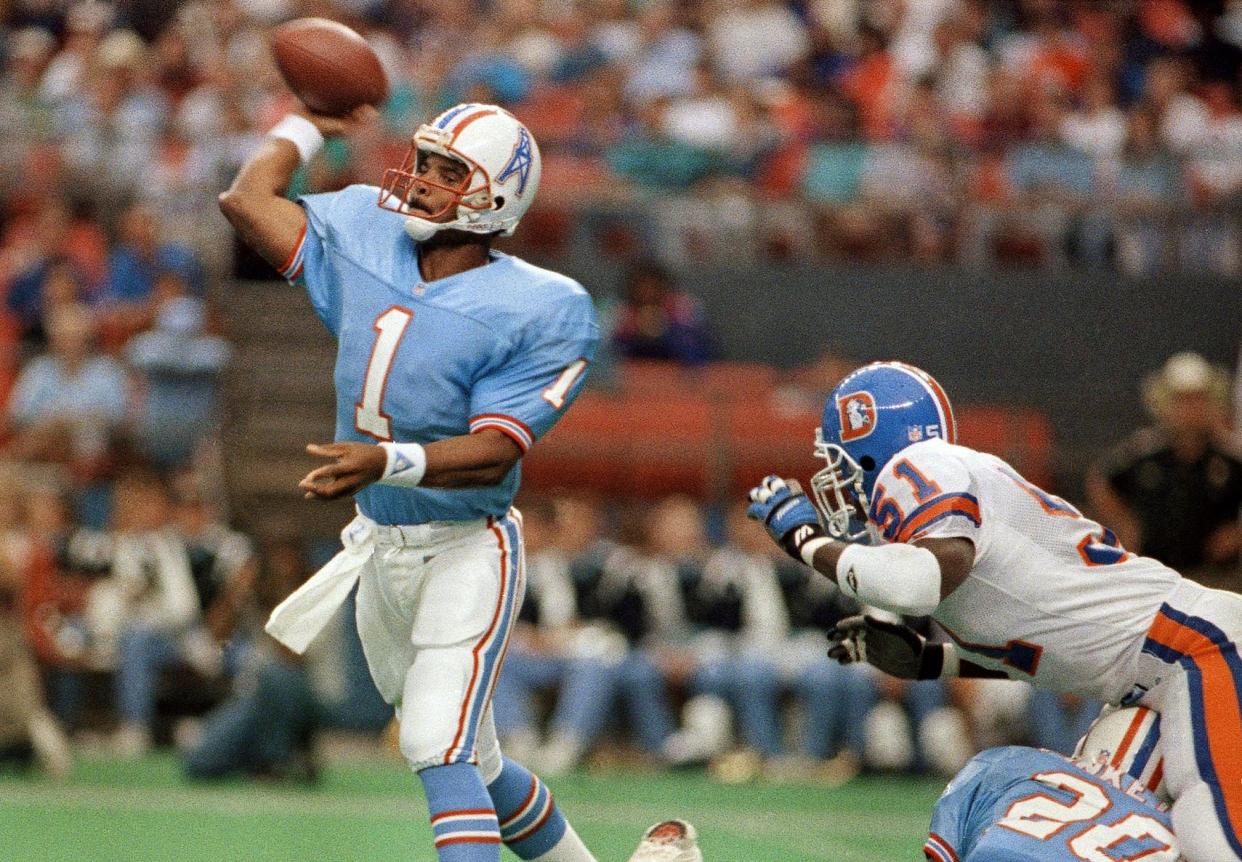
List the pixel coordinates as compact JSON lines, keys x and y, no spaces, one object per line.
{"x":1127,"y":739}
{"x":504,"y":164}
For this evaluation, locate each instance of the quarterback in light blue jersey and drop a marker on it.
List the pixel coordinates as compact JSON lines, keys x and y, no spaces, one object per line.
{"x":1106,"y":804}
{"x":421,"y":360}
{"x":452,"y":360}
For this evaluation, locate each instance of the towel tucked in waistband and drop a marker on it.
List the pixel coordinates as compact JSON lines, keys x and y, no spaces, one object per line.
{"x":297,"y":620}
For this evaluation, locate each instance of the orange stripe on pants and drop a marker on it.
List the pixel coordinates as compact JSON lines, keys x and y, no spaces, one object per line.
{"x":1124,"y":748}
{"x":1217,"y":710}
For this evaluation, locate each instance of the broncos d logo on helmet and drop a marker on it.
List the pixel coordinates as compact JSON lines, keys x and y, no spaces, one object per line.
{"x":857,"y":415}
{"x":519,"y":162}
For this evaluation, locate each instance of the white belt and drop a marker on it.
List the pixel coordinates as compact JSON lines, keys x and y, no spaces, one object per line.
{"x":423,"y":535}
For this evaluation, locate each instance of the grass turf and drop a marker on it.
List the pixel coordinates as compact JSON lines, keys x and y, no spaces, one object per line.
{"x":113,"y":811}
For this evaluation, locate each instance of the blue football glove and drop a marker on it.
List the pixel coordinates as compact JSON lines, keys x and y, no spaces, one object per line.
{"x":787,"y":514}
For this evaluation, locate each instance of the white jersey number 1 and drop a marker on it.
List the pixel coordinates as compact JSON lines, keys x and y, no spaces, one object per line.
{"x":369,"y":418}
{"x":555,"y":394}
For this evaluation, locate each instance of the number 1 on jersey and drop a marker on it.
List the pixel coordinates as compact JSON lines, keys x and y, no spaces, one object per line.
{"x":1095,"y":549}
{"x":555,"y":394}
{"x":369,"y":418}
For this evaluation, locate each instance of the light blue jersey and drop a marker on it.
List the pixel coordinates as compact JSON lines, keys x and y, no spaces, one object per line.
{"x":1026,"y":805}
{"x":503,"y":346}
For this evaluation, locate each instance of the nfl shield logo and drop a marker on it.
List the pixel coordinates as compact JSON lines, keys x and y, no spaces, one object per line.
{"x":857,"y":411}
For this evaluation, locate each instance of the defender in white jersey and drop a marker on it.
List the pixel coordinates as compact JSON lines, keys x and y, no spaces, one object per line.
{"x":1025,"y":586}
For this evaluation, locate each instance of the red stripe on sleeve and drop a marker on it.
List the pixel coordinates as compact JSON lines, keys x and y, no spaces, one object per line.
{"x":508,"y":432}
{"x":518,"y":422}
{"x":293,"y":255}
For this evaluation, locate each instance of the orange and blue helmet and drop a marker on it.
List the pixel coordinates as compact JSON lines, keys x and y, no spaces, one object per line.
{"x":874,"y":413}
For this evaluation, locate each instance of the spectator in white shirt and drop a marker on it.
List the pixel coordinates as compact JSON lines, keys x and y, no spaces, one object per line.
{"x":154,"y":606}
{"x":706,"y":118}
{"x":1098,"y":126}
{"x":755,"y":38}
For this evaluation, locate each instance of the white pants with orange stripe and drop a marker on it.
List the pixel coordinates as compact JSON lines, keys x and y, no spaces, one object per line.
{"x":1199,"y":698}
{"x":436,"y":604}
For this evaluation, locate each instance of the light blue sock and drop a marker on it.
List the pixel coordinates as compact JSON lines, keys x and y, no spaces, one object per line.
{"x":463,"y":818}
{"x":530,"y":822}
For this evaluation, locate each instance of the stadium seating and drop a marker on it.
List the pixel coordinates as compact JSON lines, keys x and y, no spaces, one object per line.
{"x":662,"y":433}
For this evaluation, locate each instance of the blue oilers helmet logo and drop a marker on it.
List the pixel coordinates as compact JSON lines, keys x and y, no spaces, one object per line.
{"x":519,"y":162}
{"x":858,"y":415}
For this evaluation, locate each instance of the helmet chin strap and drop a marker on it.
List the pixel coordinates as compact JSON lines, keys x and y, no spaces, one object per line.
{"x":420,"y":229}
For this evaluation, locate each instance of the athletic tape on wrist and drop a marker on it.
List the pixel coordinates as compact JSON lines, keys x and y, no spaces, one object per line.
{"x":808,"y":549}
{"x":951,"y":666}
{"x":406,"y":465}
{"x":301,"y":132}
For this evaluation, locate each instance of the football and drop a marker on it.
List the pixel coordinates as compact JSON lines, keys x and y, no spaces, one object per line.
{"x":328,"y":66}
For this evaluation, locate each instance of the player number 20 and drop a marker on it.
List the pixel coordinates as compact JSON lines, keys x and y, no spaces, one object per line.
{"x":1043,"y":817}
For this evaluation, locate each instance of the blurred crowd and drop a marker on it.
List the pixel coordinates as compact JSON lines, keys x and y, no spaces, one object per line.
{"x":660,"y":634}
{"x":1025,"y":132}
{"x":148,"y":630}
{"x":1012,"y":132}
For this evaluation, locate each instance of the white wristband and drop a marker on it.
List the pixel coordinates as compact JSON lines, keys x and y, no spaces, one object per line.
{"x":809,"y":548}
{"x":951,"y":667}
{"x":407,"y":462}
{"x":301,"y":132}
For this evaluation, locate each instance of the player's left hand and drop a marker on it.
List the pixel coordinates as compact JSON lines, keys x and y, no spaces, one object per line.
{"x":786,"y":512}
{"x":353,"y":466}
{"x":894,"y":648}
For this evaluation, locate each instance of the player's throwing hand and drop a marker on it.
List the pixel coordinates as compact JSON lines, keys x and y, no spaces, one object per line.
{"x":353,"y":467}
{"x":335,"y":127}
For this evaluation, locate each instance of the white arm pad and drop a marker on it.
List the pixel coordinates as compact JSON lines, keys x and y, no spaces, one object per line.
{"x":407,"y":462}
{"x":901,"y":578}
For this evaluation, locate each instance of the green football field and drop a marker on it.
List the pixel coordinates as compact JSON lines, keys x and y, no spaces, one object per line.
{"x":120,"y":812}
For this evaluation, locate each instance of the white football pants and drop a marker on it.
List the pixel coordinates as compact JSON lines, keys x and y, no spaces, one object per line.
{"x":436,"y":604}
{"x":1200,"y":704}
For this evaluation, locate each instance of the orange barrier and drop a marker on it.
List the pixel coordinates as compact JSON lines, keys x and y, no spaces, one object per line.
{"x":626,"y":445}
